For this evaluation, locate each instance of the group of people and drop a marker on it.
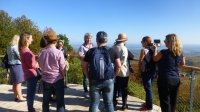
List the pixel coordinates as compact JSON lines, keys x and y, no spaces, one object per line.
{"x":106,"y":69}
{"x":163,"y":65}
{"x":24,"y":64}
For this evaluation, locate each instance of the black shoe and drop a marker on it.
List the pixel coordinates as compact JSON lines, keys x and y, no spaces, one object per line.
{"x":66,"y":87}
{"x":52,"y":100}
{"x":124,"y":107}
{"x":115,"y":103}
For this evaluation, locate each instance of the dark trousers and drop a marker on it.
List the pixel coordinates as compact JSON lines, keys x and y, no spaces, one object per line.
{"x":121,"y":84}
{"x":31,"y":90}
{"x":168,"y":89}
{"x":58,"y":87}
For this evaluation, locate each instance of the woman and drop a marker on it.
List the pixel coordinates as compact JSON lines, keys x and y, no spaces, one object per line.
{"x":29,"y":66}
{"x":168,"y":73}
{"x":16,"y":72}
{"x":147,"y":69}
{"x":52,"y":63}
{"x":81,"y":52}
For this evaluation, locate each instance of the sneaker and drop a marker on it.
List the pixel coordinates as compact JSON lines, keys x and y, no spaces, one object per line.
{"x":86,"y":95}
{"x":143,"y":108}
{"x":143,"y":105}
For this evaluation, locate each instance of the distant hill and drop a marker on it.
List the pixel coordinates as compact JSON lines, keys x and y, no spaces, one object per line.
{"x":193,"y":60}
{"x":191,"y":52}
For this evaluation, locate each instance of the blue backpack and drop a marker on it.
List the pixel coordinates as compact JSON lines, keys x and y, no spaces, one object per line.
{"x":101,"y":67}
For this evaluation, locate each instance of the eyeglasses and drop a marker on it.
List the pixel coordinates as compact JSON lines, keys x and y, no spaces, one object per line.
{"x":166,"y":41}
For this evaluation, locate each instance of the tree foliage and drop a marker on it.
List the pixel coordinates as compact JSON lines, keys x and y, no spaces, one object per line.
{"x":11,"y":26}
{"x":7,"y":30}
{"x":24,"y":24}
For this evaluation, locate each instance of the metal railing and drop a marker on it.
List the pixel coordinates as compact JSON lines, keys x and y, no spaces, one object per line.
{"x":192,"y":76}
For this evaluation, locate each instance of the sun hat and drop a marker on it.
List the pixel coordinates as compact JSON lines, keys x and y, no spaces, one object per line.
{"x":121,"y":37}
{"x":50,"y":35}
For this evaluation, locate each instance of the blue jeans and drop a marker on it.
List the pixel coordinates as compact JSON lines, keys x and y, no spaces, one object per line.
{"x":106,"y":89}
{"x":58,"y":87}
{"x":85,"y":83}
{"x":147,"y":83}
{"x":31,"y":90}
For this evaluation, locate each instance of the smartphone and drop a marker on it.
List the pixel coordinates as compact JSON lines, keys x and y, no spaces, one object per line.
{"x":157,"y":42}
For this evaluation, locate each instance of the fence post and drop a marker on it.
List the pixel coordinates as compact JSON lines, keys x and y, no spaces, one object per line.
{"x":192,"y":82}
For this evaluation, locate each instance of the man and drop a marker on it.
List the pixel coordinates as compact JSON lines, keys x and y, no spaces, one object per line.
{"x":121,"y":80}
{"x":81,"y":52}
{"x":60,"y":45}
{"x":101,"y":73}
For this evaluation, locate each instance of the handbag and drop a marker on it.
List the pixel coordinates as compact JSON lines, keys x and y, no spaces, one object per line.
{"x":39,"y":73}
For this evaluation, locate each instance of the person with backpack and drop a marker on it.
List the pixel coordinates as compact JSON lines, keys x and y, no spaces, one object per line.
{"x":121,"y":80}
{"x":148,"y":70}
{"x":81,"y":52}
{"x":169,"y":61}
{"x":101,"y":70}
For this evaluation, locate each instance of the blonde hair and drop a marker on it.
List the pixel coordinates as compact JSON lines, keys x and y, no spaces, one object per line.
{"x":175,"y":45}
{"x":23,"y":40}
{"x":14,"y":40}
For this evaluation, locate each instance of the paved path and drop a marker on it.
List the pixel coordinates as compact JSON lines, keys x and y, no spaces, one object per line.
{"x":74,"y":100}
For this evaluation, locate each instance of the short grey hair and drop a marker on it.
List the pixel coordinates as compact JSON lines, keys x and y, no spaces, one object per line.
{"x":87,"y":35}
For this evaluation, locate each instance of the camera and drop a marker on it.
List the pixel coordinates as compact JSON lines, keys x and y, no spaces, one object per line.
{"x":157,"y":42}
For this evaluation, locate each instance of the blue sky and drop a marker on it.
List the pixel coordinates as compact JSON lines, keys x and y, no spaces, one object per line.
{"x":136,"y":18}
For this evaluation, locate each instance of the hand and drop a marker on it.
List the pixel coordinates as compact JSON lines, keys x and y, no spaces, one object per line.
{"x":154,"y":47}
{"x":37,"y":65}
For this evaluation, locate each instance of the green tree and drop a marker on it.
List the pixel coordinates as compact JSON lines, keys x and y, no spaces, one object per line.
{"x":24,"y":24}
{"x":7,"y":30}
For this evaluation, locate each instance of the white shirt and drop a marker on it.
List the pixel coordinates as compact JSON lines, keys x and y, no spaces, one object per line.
{"x":124,"y":71}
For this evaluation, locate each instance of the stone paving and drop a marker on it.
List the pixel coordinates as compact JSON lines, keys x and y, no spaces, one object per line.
{"x":74,"y":101}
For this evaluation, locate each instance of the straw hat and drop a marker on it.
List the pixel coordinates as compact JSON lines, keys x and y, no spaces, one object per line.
{"x":50,"y":35}
{"x":121,"y":37}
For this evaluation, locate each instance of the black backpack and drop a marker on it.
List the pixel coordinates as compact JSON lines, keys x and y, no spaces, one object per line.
{"x":101,"y":67}
{"x":5,"y":63}
{"x":150,"y":66}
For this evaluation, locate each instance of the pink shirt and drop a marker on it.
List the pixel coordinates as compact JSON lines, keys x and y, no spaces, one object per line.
{"x":52,"y":63}
{"x":28,"y":63}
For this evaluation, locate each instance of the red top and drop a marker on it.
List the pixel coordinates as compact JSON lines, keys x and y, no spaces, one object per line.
{"x":28,"y":63}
